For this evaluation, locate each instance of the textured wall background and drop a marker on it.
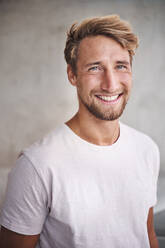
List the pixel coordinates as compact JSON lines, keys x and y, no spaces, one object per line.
{"x":35,"y":95}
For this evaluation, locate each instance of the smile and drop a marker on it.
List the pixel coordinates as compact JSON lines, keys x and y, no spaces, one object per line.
{"x":109,"y":99}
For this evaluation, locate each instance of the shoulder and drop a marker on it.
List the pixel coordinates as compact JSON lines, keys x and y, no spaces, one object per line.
{"x":47,"y":147}
{"x":142,"y":147}
{"x":49,"y":140}
{"x":138,"y":138}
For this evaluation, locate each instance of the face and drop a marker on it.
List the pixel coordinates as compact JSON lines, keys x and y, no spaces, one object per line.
{"x":103,"y":77}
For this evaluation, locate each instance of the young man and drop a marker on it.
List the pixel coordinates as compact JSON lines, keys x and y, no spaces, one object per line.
{"x":92,"y":182}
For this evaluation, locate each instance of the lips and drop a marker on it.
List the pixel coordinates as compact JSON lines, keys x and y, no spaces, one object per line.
{"x":109,"y":98}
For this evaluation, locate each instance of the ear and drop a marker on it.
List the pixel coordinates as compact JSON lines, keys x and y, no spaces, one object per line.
{"x":71,"y":76}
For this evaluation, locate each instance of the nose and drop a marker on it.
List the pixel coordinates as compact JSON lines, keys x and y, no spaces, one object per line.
{"x":109,"y":81}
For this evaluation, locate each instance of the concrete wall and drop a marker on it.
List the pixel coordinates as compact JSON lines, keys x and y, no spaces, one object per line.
{"x":35,"y":95}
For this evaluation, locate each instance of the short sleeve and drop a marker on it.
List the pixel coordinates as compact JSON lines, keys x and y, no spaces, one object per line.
{"x":155,"y":173}
{"x":25,"y":206}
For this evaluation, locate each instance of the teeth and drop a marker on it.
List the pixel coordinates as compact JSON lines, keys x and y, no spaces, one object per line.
{"x":108,"y":98}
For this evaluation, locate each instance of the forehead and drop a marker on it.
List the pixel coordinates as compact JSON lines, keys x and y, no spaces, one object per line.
{"x":101,"y":48}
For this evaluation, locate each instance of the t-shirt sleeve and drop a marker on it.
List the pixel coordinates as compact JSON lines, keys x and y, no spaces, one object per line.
{"x":155,"y":173}
{"x":25,"y":205}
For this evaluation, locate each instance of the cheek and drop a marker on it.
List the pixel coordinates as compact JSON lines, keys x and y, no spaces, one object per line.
{"x":89,"y":82}
{"x":125,"y":76}
{"x":126,"y":80}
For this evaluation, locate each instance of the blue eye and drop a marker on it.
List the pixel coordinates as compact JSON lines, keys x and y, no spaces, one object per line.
{"x":121,"y":67}
{"x":94,"y":68}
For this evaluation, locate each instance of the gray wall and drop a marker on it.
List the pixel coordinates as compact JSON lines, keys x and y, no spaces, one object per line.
{"x":35,"y":95}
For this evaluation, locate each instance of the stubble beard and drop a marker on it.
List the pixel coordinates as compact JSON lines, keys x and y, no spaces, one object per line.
{"x":106,"y":115}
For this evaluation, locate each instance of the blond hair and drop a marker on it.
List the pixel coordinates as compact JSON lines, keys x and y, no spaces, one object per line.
{"x":110,"y":26}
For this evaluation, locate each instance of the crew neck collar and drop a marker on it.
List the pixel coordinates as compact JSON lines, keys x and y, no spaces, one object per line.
{"x":86,"y":143}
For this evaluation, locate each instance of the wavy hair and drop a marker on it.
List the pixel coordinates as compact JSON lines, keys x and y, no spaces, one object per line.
{"x":110,"y":26}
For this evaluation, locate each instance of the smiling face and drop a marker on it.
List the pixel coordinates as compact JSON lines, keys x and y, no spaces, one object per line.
{"x":103,"y":77}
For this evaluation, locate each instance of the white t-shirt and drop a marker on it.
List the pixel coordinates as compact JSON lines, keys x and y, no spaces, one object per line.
{"x":81,"y":195}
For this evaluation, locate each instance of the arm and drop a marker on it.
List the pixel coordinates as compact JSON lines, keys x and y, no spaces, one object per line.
{"x":25,"y":207}
{"x":14,"y":240}
{"x":151,"y":232}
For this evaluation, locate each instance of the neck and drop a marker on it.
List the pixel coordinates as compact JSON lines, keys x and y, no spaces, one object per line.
{"x":93,"y":130}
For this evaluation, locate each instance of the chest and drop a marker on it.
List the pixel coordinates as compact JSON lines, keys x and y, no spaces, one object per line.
{"x":92,"y":191}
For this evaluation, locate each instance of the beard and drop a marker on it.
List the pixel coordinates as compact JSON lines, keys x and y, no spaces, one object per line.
{"x":108,"y":114}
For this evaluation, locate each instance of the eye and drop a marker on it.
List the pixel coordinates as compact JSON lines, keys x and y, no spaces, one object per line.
{"x":94,"y":68}
{"x":121,"y":67}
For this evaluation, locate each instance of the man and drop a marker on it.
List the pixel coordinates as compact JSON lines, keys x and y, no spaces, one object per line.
{"x":92,"y":182}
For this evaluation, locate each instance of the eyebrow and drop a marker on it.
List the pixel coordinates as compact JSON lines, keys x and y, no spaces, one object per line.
{"x":125,"y":62}
{"x":93,"y":63}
